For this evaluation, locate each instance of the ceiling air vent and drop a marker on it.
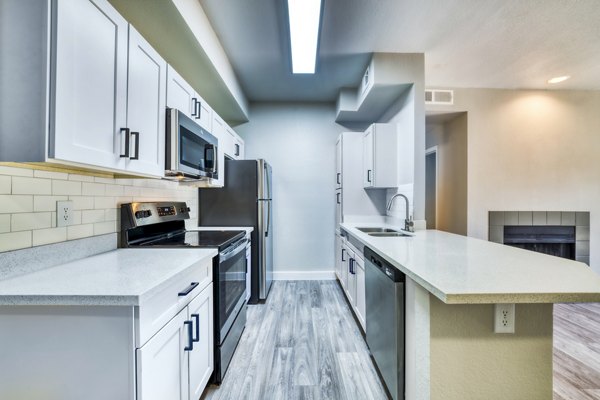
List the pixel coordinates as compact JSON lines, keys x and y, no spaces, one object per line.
{"x":439,"y":96}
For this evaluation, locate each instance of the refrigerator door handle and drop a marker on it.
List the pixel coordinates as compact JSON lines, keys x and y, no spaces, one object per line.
{"x":268,"y":219}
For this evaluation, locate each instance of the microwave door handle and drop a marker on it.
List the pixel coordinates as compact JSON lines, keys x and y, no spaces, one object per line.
{"x":216,"y":159}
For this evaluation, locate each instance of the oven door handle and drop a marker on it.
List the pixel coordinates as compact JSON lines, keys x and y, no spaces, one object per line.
{"x":226,"y":255}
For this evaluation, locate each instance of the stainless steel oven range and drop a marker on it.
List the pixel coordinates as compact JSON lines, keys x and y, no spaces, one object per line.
{"x":162,"y":224}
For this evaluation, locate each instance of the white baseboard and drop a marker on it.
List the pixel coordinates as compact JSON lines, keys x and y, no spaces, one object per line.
{"x":304,"y":275}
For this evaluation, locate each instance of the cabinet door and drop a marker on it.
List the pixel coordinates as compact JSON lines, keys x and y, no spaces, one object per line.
{"x":339,"y":198}
{"x":201,"y":358}
{"x":90,"y":88}
{"x":338,"y":256}
{"x":351,"y":287}
{"x":361,"y":305}
{"x":344,"y":267}
{"x":368,"y":160}
{"x":218,"y":130}
{"x":229,"y":145}
{"x":146,"y":97}
{"x":162,"y":363}
{"x":203,"y":113}
{"x":338,"y":163}
{"x":180,"y":94}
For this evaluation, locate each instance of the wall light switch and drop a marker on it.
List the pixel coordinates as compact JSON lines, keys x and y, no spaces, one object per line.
{"x":64,"y":213}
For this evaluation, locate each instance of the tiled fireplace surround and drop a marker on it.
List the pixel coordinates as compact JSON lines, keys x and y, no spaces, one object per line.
{"x":581,"y":220}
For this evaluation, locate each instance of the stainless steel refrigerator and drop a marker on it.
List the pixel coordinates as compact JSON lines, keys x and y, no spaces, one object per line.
{"x":245,"y":200}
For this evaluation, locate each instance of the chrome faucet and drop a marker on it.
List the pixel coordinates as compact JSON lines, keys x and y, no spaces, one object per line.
{"x":408,"y":222}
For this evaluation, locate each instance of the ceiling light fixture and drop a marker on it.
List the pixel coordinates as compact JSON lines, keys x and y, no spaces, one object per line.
{"x":558,"y":79}
{"x":305,"y":19}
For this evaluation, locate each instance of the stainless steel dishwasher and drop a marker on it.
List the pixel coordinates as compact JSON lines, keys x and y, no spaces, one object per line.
{"x":385,"y":320}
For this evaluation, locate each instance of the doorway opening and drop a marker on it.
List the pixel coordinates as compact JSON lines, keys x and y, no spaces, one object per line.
{"x":431,"y":178}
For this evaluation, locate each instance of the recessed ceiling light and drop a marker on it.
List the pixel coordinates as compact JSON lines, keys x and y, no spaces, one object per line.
{"x":305,"y":18}
{"x":558,"y":79}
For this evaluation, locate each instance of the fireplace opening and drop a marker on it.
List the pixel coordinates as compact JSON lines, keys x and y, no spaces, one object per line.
{"x":553,"y":240}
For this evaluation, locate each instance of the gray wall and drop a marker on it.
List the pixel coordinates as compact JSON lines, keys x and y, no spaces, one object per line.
{"x":532,"y":150}
{"x":298,"y":139}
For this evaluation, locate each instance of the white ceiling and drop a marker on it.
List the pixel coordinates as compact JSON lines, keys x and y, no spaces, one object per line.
{"x":467,"y":43}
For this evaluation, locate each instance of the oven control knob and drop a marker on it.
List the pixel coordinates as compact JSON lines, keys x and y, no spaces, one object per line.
{"x":139,"y":214}
{"x":147,"y":213}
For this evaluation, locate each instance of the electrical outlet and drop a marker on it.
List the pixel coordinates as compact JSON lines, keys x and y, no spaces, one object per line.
{"x":504,"y":321}
{"x":64,"y":215}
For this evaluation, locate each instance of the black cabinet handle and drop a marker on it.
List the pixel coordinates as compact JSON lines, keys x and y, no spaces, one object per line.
{"x":337,"y":195}
{"x":127,"y":136}
{"x":197,"y":318}
{"x":198,"y":109}
{"x":190,"y":328}
{"x":338,"y":178}
{"x":369,"y":176}
{"x":194,"y":106}
{"x":237,"y":149}
{"x":343,"y":251}
{"x":350,"y":265}
{"x":188,"y":289}
{"x":137,"y":146}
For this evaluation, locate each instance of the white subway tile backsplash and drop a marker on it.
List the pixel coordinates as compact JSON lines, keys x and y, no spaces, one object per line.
{"x":81,"y":178}
{"x":4,"y":223}
{"x":50,"y":235}
{"x":82,"y":202}
{"x":102,"y":228}
{"x":66,"y":188}
{"x":110,"y":214}
{"x":93,"y":189}
{"x":553,"y":217}
{"x":100,"y":179}
{"x":104,"y":202}
{"x":50,"y":174}
{"x":28,"y":204}
{"x":5,"y":184}
{"x":29,"y":221}
{"x":92,"y":216}
{"x":16,"y":204}
{"x":15,"y":240}
{"x":80,"y":231}
{"x":114,"y":190}
{"x":567,"y":218}
{"x":23,"y":185}
{"x":5,"y":170}
{"x":46,"y":203}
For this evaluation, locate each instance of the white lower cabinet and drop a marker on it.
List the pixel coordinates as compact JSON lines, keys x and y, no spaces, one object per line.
{"x":361,"y":306}
{"x":201,"y":357}
{"x":350,"y":271}
{"x":248,"y":268}
{"x":162,"y":370}
{"x":178,"y":361}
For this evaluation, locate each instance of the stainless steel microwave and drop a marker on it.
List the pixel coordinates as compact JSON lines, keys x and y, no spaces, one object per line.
{"x":191,"y":151}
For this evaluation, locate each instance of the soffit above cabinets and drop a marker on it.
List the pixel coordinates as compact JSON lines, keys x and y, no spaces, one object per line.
{"x":176,"y":30}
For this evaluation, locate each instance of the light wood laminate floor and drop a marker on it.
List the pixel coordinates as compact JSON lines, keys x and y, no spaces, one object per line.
{"x":302,"y":344}
{"x":577,"y":351}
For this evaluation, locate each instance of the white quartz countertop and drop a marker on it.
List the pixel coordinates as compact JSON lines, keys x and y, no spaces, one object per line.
{"x":463,"y":270}
{"x":248,"y":229}
{"x":124,"y":277}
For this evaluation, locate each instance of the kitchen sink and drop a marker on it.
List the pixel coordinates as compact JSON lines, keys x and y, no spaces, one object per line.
{"x":377,"y":230}
{"x":389,"y":234}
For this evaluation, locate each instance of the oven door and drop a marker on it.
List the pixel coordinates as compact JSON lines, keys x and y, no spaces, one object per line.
{"x":230,"y":293}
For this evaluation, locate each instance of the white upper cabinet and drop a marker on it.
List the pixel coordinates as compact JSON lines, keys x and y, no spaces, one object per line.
{"x":146,"y":96}
{"x":182,"y":96}
{"x":90,"y":83}
{"x":235,"y":145}
{"x":380,"y":156}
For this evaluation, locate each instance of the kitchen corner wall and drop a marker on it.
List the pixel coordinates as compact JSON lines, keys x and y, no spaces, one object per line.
{"x":28,"y":204}
{"x":298,"y":140}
